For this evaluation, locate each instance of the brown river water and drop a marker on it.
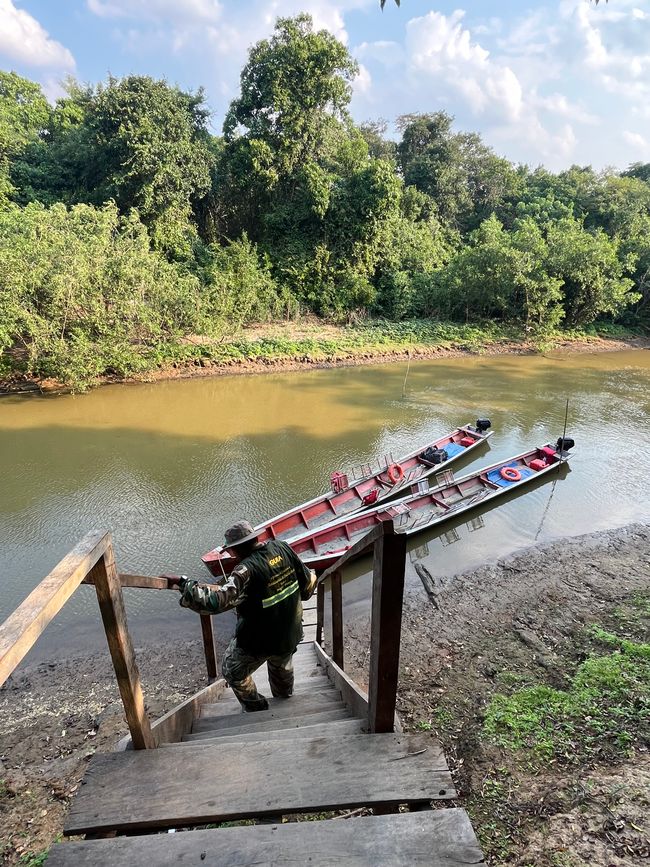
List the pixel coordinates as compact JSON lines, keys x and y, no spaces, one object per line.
{"x":168,"y":466}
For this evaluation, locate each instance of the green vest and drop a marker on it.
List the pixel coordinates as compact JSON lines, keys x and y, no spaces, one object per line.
{"x":269,"y":620}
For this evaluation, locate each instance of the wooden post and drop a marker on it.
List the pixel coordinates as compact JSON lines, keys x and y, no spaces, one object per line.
{"x":385,"y":630}
{"x":207,"y":630}
{"x":111,"y":605}
{"x":337,"y":620}
{"x":320,"y":613}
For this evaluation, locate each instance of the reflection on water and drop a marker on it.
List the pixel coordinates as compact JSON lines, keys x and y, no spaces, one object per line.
{"x":168,"y":466}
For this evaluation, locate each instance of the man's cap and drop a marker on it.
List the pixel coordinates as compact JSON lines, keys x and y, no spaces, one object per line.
{"x":239,"y":533}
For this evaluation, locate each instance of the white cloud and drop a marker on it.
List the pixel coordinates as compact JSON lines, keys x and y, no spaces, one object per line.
{"x":389,"y":54}
{"x":363,"y":81}
{"x":636,"y":140}
{"x":442,"y":50}
{"x":24,"y":40}
{"x":615,"y":44}
{"x":558,"y":104}
{"x":158,"y":10}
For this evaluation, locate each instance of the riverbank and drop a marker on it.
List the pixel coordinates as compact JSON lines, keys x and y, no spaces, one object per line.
{"x":515,"y":623}
{"x":548,"y":790}
{"x":313,"y":344}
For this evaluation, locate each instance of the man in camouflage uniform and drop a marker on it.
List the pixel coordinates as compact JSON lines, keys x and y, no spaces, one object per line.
{"x":266,"y":588}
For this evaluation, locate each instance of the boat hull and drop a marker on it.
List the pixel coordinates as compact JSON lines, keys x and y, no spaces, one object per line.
{"x":377,"y":487}
{"x":422,"y":511}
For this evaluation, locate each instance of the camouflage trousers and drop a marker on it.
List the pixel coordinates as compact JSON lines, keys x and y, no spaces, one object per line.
{"x":238,"y":666}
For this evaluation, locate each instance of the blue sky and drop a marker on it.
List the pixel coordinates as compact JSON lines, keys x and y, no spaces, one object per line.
{"x":555,"y":82}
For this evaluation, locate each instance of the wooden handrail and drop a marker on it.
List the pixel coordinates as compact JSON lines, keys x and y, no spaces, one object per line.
{"x":21,"y":630}
{"x":150,"y":582}
{"x":92,"y":562}
{"x":360,"y":547}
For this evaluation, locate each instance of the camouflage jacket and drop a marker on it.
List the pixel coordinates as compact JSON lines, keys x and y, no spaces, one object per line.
{"x":265,"y":589}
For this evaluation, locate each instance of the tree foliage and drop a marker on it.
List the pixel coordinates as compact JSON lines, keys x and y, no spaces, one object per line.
{"x":82,"y":293}
{"x":125,"y":225}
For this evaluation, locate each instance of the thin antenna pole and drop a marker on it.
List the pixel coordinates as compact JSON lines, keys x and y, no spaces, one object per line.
{"x":566,"y":418}
{"x":407,"y":375}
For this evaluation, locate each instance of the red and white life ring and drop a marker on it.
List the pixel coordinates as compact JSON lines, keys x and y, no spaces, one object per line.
{"x":395,"y":473}
{"x":510,"y":474}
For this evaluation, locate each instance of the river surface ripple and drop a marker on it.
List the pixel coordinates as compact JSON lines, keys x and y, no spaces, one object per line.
{"x":168,"y":466}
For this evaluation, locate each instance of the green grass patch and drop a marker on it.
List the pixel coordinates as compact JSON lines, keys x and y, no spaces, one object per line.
{"x":604,"y":713}
{"x":29,"y":860}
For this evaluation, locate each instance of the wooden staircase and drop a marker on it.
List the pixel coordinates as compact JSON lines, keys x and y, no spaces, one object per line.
{"x":305,"y":755}
{"x":374,"y":795}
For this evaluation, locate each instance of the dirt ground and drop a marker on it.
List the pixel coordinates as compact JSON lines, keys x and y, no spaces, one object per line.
{"x":520,"y":621}
{"x":515,"y":623}
{"x":54,"y":716}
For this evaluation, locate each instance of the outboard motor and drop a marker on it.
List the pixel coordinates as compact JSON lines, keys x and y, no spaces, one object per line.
{"x":564,"y":444}
{"x":482,"y":424}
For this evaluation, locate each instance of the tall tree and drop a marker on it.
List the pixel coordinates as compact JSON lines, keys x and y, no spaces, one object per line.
{"x":286,"y":126}
{"x":460,"y":173}
{"x":137,"y":141}
{"x":24,"y":117}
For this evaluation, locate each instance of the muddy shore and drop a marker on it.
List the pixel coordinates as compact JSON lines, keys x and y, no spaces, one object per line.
{"x":201,"y":367}
{"x":521,"y":619}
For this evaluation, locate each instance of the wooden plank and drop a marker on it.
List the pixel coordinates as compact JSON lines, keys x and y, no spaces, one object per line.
{"x":290,"y":722}
{"x":336,"y":727}
{"x":360,"y":547}
{"x":351,"y":694}
{"x":323,"y":691}
{"x":337,"y":620}
{"x":140,"y":582}
{"x":279,"y":708}
{"x":386,"y":630}
{"x":21,"y":630}
{"x":111,"y":606}
{"x":309,"y":635}
{"x":175,"y":788}
{"x":438,"y":838}
{"x":230,"y":703}
{"x":309,"y":617}
{"x":209,"y":646}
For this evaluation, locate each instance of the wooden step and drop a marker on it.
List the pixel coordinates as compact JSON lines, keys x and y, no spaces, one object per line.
{"x":230,"y":705}
{"x":435,"y":838}
{"x":229,"y":700}
{"x":291,"y":723}
{"x":279,"y":708}
{"x":340,"y":728}
{"x":142,"y":789}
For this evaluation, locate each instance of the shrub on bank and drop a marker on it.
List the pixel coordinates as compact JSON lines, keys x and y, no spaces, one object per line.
{"x":82,"y":293}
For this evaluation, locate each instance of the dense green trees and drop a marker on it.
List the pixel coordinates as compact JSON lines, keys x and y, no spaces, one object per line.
{"x":125,"y":224}
{"x":82,"y":292}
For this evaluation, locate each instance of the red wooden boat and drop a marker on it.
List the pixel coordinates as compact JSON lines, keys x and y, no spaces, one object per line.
{"x":362,"y":489}
{"x":422,"y":510}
